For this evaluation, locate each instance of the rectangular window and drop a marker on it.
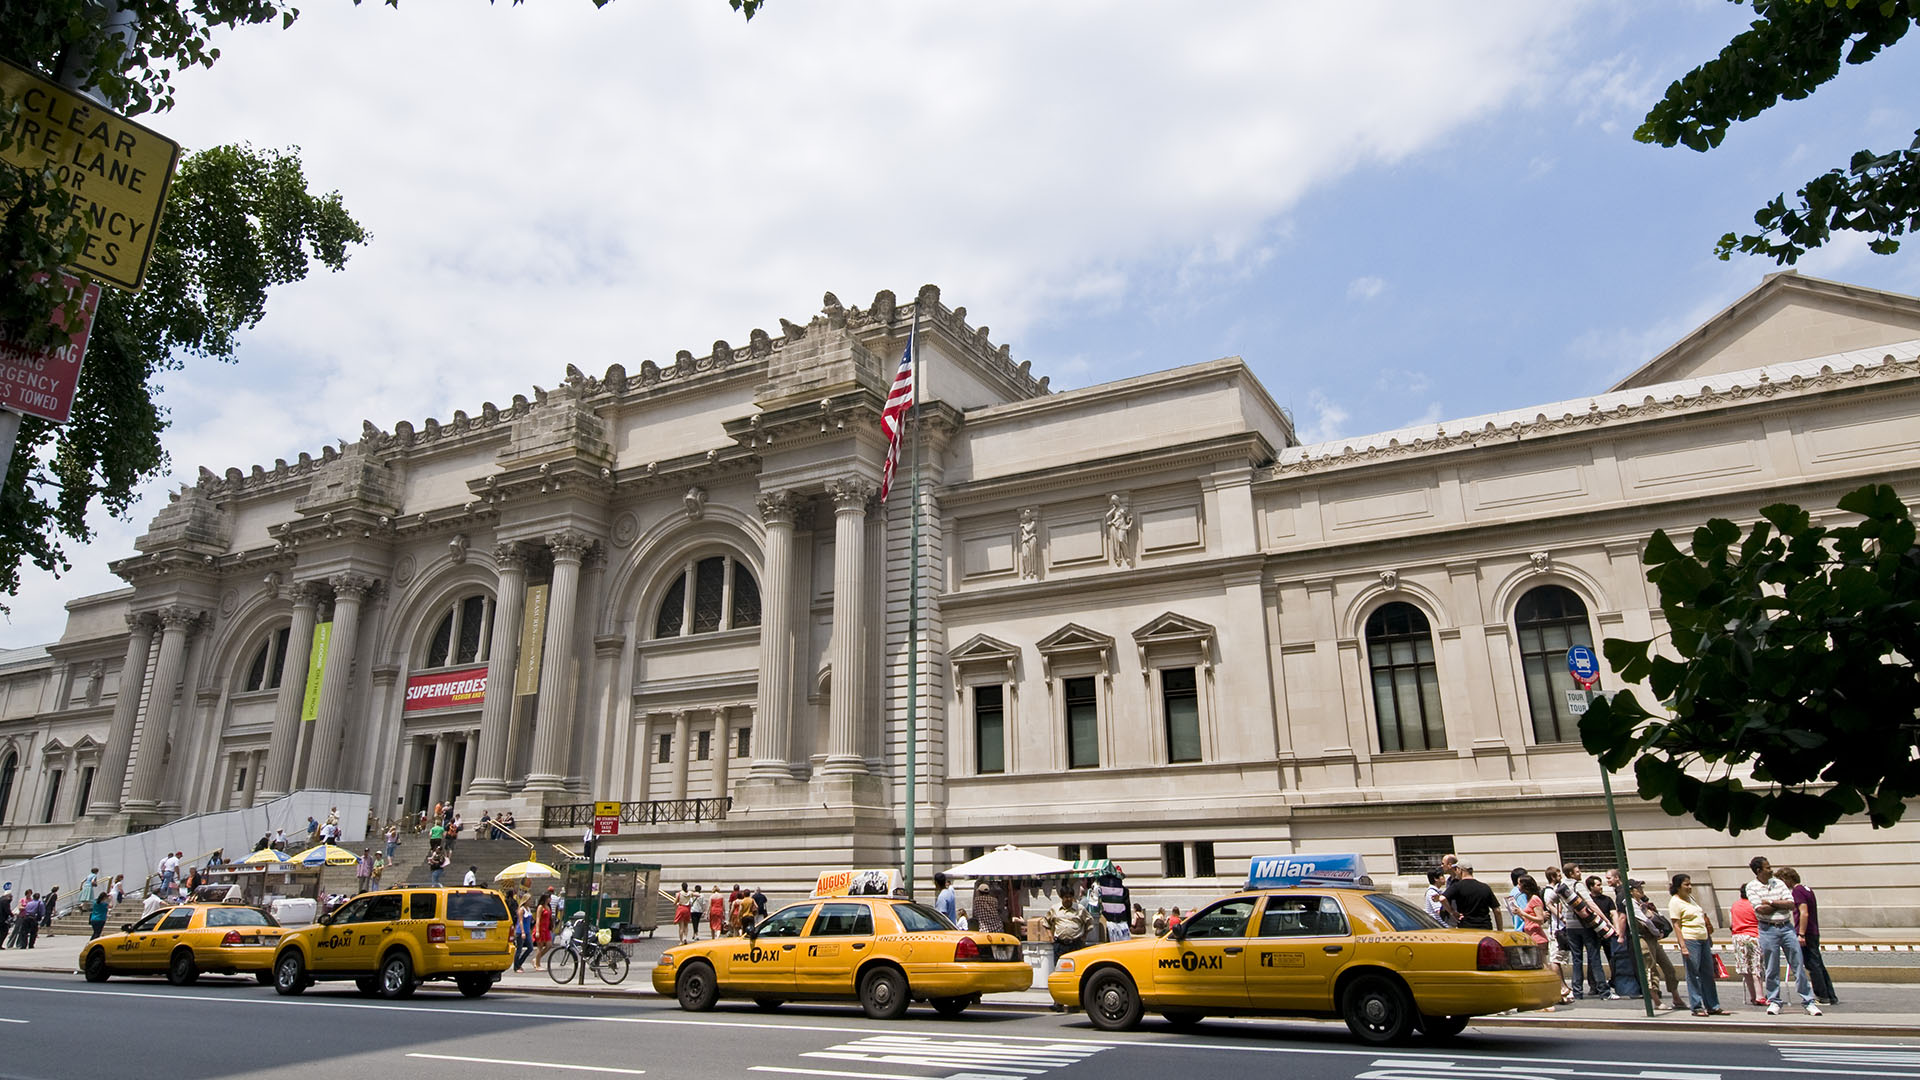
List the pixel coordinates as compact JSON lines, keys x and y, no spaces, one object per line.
{"x":86,"y":792}
{"x":1070,"y":852}
{"x":989,"y":729}
{"x":666,"y":748}
{"x":1096,"y":851}
{"x":1419,"y":854}
{"x":1173,"y":860}
{"x":1590,"y":849}
{"x":974,"y":853}
{"x":1083,"y":723}
{"x":53,"y":795}
{"x":240,"y":779}
{"x":1180,"y":694}
{"x":746,"y":742}
{"x":1203,"y":858}
{"x":422,"y":905}
{"x":705,"y":748}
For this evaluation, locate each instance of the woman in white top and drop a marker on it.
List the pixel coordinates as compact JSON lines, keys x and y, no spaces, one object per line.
{"x":1693,"y":931}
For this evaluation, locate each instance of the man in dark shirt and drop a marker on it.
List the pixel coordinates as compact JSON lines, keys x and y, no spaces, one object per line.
{"x":1472,"y":902}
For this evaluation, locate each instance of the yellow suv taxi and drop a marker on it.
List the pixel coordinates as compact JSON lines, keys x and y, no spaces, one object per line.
{"x":1310,"y":937}
{"x":184,"y":941}
{"x":851,"y":940}
{"x":389,"y":942}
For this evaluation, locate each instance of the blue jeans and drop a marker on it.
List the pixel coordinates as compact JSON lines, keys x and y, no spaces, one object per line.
{"x":1584,"y":952}
{"x":1776,"y":939}
{"x":1700,"y":972}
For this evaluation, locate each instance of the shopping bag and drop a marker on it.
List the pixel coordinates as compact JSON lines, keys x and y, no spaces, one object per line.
{"x":1719,"y":967}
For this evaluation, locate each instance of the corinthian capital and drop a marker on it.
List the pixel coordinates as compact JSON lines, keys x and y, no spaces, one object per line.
{"x":353,"y":587}
{"x":777,"y":507}
{"x":512,"y":557}
{"x":145,"y":622}
{"x":180,"y":616}
{"x":569,"y":545}
{"x":850,"y":494}
{"x":304,"y":593}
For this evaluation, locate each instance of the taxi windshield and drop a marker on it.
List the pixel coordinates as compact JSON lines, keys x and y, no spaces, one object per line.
{"x":1401,"y":915}
{"x":238,"y":916}
{"x":915,"y":919}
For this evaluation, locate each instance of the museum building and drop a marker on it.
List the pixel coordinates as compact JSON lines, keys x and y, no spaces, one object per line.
{"x":1154,"y":627}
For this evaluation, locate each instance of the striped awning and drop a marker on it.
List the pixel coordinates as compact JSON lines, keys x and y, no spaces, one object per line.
{"x":1090,"y":867}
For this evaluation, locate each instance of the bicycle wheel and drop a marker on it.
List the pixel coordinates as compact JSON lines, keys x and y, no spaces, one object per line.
{"x":611,"y":965}
{"x":563,"y":965}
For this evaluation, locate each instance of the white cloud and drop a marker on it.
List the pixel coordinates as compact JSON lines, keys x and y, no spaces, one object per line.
{"x":1402,"y":381}
{"x":1327,"y":422}
{"x":1613,"y":92}
{"x":1365,"y":288}
{"x":548,"y":183}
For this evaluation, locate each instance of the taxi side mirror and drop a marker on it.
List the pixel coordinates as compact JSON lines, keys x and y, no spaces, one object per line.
{"x":1178,"y":933}
{"x":126,"y":928}
{"x":753,"y":933}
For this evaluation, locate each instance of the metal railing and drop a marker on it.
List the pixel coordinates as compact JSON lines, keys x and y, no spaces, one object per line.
{"x":655,"y":812}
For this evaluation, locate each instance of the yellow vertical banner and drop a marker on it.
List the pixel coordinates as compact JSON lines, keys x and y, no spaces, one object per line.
{"x":316,"y":667}
{"x":533,"y":642}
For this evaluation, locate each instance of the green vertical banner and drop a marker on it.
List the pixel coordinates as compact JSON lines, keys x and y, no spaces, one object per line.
{"x":316,"y":667}
{"x":533,"y":642}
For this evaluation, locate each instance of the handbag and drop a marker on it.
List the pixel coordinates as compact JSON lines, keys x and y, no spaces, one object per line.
{"x":1719,"y":967}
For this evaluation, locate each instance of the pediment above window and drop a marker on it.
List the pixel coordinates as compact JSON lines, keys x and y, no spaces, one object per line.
{"x":1077,"y":645}
{"x":1175,"y":633}
{"x":983,"y":654}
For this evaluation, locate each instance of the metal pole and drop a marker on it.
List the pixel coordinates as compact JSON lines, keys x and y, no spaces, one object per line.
{"x":913,"y":604}
{"x":1625,"y":896}
{"x":9,"y":433}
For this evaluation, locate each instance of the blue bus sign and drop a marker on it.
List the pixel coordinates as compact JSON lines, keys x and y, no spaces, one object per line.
{"x":1584,"y":665}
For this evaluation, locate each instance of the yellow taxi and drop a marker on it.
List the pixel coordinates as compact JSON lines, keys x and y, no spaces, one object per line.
{"x":852,"y":939}
{"x":185,"y":941}
{"x":390,"y":942}
{"x":1308,"y":936}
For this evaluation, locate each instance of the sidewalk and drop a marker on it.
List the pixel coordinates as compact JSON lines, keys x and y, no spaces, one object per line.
{"x":1869,"y":1008}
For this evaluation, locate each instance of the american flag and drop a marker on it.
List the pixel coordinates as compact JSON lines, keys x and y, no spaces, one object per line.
{"x":893,"y":418}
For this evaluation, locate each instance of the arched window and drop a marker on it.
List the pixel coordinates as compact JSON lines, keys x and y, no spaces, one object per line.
{"x":1549,"y":620}
{"x":1406,"y":684}
{"x":8,"y":766}
{"x":264,"y":673}
{"x":462,"y":634}
{"x":714,"y":593}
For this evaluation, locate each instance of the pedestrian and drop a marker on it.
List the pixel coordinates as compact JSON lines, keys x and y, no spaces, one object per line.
{"x":1139,"y":925}
{"x":1653,"y":926}
{"x":1174,"y":919}
{"x":682,"y":911}
{"x":51,"y":904}
{"x":522,"y":933}
{"x":1116,"y":904}
{"x":696,"y":913}
{"x":313,"y":829}
{"x":988,"y":913}
{"x":436,"y":835}
{"x":6,"y":915}
{"x":1808,"y":913}
{"x":543,"y":929}
{"x":1469,"y":900}
{"x":759,"y":903}
{"x":279,"y":840}
{"x":97,"y":915}
{"x":1744,"y":926}
{"x":1159,"y":921}
{"x":27,"y":932}
{"x":716,"y":913}
{"x":743,"y":914}
{"x":89,"y":888}
{"x":1556,"y":931}
{"x":1530,"y":915}
{"x":1437,"y":882}
{"x":945,"y":901}
{"x":1064,"y":923}
{"x":379,"y":867}
{"x":164,"y":871}
{"x":472,"y":878}
{"x":1613,"y":934}
{"x":960,"y":920}
{"x":363,"y":868}
{"x":437,"y":865}
{"x":393,"y":840}
{"x":119,"y":889}
{"x":1780,"y":934}
{"x":1585,"y":930}
{"x":1693,"y":929}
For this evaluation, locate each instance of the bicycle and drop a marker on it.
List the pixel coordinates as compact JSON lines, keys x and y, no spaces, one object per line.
{"x":602,"y":957}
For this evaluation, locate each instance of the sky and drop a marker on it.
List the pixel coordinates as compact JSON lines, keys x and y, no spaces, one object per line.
{"x":1396,"y":213}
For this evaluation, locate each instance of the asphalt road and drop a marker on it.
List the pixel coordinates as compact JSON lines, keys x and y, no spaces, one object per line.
{"x":59,"y":1027}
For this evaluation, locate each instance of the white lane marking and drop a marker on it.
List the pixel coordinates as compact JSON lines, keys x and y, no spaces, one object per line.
{"x":830,"y":1072}
{"x":531,"y":1064}
{"x":1000,"y":1059}
{"x":11,"y":1020}
{"x":1823,"y":1044}
{"x":1514,"y":1060}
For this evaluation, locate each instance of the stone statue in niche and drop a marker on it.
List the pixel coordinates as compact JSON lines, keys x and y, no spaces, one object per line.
{"x":1030,"y":542}
{"x":1120,"y":530}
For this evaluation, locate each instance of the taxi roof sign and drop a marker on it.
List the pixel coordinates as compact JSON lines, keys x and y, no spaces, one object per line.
{"x":1283,"y":871}
{"x":856,"y":883}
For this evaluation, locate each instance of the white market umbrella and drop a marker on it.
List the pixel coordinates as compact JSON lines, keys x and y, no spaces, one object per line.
{"x":1007,"y":861}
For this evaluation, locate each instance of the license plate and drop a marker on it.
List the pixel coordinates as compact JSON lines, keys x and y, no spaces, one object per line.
{"x":1004,"y":952}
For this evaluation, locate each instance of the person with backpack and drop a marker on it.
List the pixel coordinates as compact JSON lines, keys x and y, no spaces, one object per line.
{"x":1654,"y":926}
{"x":1586,"y":927}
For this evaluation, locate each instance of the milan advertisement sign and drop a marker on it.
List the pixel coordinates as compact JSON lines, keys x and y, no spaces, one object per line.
{"x":446,"y":689}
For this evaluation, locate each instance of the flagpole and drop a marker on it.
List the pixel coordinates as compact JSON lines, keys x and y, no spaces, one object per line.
{"x":913,"y":601}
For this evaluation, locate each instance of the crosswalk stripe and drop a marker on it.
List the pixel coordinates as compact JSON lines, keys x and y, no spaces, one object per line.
{"x":984,"y":1057}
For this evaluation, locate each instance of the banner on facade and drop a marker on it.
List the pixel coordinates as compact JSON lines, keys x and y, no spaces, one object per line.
{"x":446,"y":689}
{"x":316,"y":667}
{"x":533,"y":640}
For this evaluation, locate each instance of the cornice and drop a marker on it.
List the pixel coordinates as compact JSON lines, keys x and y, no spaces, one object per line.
{"x":1239,"y":446}
{"x":1140,"y":577}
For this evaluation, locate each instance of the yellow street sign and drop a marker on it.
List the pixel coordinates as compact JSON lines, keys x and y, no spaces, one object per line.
{"x":118,"y":170}
{"x":606,"y":809}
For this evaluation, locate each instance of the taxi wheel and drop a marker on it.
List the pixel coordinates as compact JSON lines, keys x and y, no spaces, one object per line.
{"x":181,"y":970}
{"x":951,"y":1006}
{"x":1443,"y":1027}
{"x":1112,"y":1002}
{"x":1378,"y":1011}
{"x":289,"y":974}
{"x":695,"y":988}
{"x":96,"y":966}
{"x":767,"y":1004}
{"x":883,"y":993}
{"x":473,"y":985}
{"x":1183,"y":1019}
{"x":396,"y":976}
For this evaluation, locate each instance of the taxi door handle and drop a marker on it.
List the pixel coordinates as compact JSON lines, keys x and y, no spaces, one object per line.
{"x":859,"y":945}
{"x":1232,"y":950}
{"x":1332,"y":950}
{"x":786,"y":948}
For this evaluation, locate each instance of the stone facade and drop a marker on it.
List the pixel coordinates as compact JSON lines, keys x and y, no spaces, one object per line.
{"x":1153,"y":626}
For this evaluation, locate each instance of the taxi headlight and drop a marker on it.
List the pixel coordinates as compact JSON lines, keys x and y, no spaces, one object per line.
{"x":1065,"y":964}
{"x":666,"y":960}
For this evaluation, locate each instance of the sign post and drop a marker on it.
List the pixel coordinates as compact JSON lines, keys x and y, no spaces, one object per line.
{"x":1586,"y":671}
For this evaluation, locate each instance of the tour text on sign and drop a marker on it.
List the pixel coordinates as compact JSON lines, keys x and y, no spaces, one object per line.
{"x":118,"y":170}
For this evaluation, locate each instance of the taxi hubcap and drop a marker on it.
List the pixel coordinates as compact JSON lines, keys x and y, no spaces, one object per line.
{"x":1112,"y":1002}
{"x":1376,"y":1011}
{"x":882,"y":992}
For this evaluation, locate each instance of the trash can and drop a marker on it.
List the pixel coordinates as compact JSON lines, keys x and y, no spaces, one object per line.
{"x":1039,"y":956}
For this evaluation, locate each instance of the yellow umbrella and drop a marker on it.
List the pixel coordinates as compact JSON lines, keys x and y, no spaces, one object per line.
{"x":326,"y":855}
{"x":266,"y":856}
{"x":528,"y":869}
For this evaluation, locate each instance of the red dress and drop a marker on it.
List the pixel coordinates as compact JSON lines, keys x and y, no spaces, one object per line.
{"x":543,"y":926}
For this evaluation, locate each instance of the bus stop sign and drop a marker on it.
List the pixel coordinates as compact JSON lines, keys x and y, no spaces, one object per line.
{"x":1584,"y":665}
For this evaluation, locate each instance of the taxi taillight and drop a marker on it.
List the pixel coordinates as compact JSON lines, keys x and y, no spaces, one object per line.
{"x":966,"y":949}
{"x":437,"y":933}
{"x":1492,"y":956}
{"x":232,"y":938}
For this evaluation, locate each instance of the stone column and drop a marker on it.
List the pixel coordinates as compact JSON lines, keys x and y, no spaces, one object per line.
{"x":643,"y":764}
{"x":681,"y":722}
{"x":284,"y":743}
{"x":845,"y":754}
{"x":112,"y":778}
{"x":176,"y":625}
{"x":775,"y":703}
{"x":721,"y":747}
{"x":349,"y":591}
{"x":496,"y":710}
{"x":471,"y":761}
{"x":442,"y":768}
{"x":553,"y":720}
{"x":409,"y":759}
{"x":258,"y":761}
